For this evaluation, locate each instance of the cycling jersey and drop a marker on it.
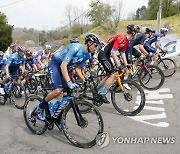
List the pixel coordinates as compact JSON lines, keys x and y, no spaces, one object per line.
{"x":147,"y":44}
{"x":120,"y":42}
{"x":29,"y":64}
{"x":2,"y":63}
{"x":73,"y":54}
{"x":43,"y":56}
{"x":14,"y":60}
{"x":139,"y":39}
{"x":155,"y":38}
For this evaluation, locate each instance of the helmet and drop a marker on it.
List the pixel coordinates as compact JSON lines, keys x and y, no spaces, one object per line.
{"x":21,"y":49}
{"x":74,"y":40}
{"x":47,"y":47}
{"x":148,"y":30}
{"x":137,"y":28}
{"x":29,"y":53}
{"x":93,"y":38}
{"x":1,"y":53}
{"x":163,"y":30}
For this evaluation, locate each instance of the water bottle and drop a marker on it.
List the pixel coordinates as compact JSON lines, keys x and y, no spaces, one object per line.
{"x":6,"y":87}
{"x":51,"y":108}
{"x":10,"y":86}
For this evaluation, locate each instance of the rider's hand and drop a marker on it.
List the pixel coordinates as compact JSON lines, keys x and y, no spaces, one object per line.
{"x":164,"y":52}
{"x":72,"y":85}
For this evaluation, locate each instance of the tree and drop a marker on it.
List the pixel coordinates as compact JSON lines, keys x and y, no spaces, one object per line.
{"x":5,"y":32}
{"x":100,"y":13}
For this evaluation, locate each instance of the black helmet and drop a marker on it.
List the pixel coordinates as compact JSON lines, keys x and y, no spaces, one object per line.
{"x":21,"y":49}
{"x":1,"y":53}
{"x":74,"y":40}
{"x":148,"y":30}
{"x":131,"y":28}
{"x":93,"y":38}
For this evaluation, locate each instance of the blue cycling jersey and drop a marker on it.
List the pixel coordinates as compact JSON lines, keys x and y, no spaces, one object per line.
{"x":14,"y":60}
{"x":73,"y":53}
{"x":42,"y":54}
{"x":155,"y":38}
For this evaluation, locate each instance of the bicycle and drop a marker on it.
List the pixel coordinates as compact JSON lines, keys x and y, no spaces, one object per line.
{"x":16,"y":94}
{"x":124,"y":103}
{"x":150,"y":77}
{"x":71,"y":117}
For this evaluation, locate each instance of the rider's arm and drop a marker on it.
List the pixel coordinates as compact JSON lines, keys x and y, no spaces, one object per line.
{"x":64,"y":71}
{"x":39,"y":59}
{"x":79,"y":72}
{"x":115,"y":57}
{"x":23,"y":68}
{"x":158,"y":45}
{"x":123,"y":56}
{"x":141,"y":48}
{"x":7,"y":68}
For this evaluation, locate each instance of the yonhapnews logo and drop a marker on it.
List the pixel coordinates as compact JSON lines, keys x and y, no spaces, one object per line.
{"x":103,"y":140}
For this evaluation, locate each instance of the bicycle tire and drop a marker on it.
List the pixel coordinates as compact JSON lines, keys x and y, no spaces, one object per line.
{"x":124,"y":111}
{"x":28,"y":117}
{"x":149,"y":84}
{"x":66,"y":128}
{"x":165,"y":61}
{"x":31,"y":86}
{"x":19,"y":92}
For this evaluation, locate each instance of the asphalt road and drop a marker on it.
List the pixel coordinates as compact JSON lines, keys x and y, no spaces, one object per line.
{"x":154,"y":130}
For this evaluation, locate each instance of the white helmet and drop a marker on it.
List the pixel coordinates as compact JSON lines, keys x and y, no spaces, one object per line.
{"x":47,"y":47}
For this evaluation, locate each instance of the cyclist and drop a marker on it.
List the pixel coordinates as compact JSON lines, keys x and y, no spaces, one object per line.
{"x":2,"y":61}
{"x":41,"y":55}
{"x":74,"y":54}
{"x":120,"y":43}
{"x":155,"y":38}
{"x":14,"y":64}
{"x":30,"y":66}
{"x":74,"y":40}
{"x":138,"y":40}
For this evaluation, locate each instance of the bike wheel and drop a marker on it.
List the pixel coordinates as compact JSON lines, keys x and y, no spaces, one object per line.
{"x":151,"y":78}
{"x":31,"y":86}
{"x":2,"y":99}
{"x":18,"y":95}
{"x":168,"y":66}
{"x":91,"y":124}
{"x":35,"y":125}
{"x":131,"y":102}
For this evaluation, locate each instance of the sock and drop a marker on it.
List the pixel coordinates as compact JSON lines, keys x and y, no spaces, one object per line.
{"x":42,"y":104}
{"x":98,"y":87}
{"x":103,"y":90}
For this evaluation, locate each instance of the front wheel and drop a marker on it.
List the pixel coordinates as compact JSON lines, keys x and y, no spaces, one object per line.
{"x":131,"y":101}
{"x":168,"y":66}
{"x":18,"y":95}
{"x":82,"y":131}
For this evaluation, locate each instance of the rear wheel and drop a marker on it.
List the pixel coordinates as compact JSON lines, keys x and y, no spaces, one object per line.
{"x":151,"y":77}
{"x":35,"y":125}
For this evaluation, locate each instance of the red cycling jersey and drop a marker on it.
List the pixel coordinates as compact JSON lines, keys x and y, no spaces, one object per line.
{"x":121,"y":42}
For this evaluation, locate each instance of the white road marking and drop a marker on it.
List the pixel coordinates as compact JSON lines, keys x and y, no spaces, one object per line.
{"x":154,"y":98}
